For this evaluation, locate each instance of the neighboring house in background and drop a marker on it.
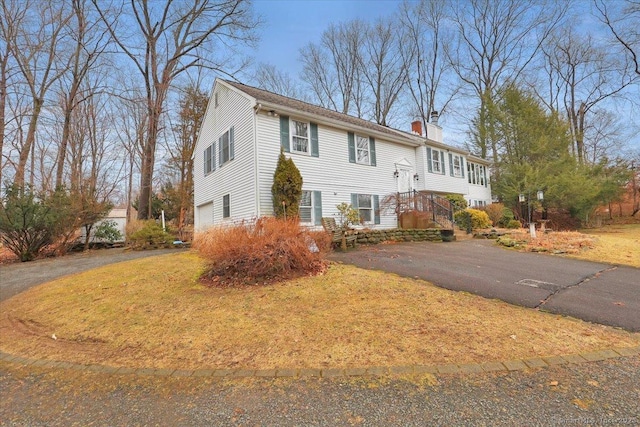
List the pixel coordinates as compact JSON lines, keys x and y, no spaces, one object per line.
{"x":116,"y":215}
{"x":341,"y":159}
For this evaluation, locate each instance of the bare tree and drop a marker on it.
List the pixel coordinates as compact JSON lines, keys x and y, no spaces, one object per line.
{"x":36,"y":52}
{"x":192,"y":109}
{"x":382,"y":68}
{"x":425,"y":42}
{"x":331,"y":68}
{"x":584,"y":75}
{"x":88,"y":43}
{"x":131,"y":131}
{"x":163,"y":40}
{"x":624,"y":24}
{"x":498,"y":39}
{"x":269,"y":77}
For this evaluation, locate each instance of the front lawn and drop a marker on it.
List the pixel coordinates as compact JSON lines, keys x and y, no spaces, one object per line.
{"x":615,"y":244}
{"x":153,"y":312}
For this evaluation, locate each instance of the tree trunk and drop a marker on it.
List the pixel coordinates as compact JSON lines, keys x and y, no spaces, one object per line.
{"x":30,"y":141}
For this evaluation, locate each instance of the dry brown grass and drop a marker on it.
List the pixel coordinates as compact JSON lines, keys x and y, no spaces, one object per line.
{"x":615,"y":244}
{"x":261,"y":251}
{"x":154,"y":313}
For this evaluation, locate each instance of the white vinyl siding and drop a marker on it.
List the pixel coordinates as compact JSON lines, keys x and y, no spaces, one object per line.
{"x":331,"y":174}
{"x":234,"y":117}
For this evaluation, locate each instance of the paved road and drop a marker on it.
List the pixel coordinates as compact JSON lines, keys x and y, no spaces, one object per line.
{"x":17,"y":277}
{"x":590,"y":394}
{"x":590,"y":291}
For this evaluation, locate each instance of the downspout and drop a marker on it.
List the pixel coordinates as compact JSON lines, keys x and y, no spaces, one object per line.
{"x":256,"y":171}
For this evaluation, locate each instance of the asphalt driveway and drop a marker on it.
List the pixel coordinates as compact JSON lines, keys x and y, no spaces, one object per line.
{"x":20,"y":276}
{"x":595,"y":292}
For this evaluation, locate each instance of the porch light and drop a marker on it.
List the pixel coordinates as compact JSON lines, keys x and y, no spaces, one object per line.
{"x":416,"y":176}
{"x":540,"y":195}
{"x":521,"y":198}
{"x":396,"y":174}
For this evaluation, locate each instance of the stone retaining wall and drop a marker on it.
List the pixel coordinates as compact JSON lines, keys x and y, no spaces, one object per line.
{"x":398,"y":235}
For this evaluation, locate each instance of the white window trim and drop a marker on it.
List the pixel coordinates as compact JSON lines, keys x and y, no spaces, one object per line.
{"x":209,"y":167}
{"x":311,"y":207}
{"x":370,"y":209}
{"x":439,"y":169}
{"x":368,"y":149}
{"x":228,"y":197}
{"x":292,"y":135}
{"x":457,"y":173}
{"x":221,"y":149}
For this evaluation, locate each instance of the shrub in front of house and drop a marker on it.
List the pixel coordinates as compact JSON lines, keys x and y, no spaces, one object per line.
{"x":513,"y":223}
{"x":474,"y":217}
{"x":149,"y":236}
{"x":495,"y":211}
{"x":458,"y":203}
{"x":261,"y":252}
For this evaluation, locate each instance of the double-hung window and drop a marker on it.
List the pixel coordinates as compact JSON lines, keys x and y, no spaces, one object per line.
{"x":306,"y":207}
{"x":362,"y":150}
{"x":457,"y":166}
{"x":310,"y":208}
{"x":368,"y":206}
{"x":226,"y":146}
{"x":477,"y":174}
{"x":226,"y":206}
{"x":209,"y":159}
{"x":299,"y":136}
{"x":436,"y":161}
{"x":365,"y":207}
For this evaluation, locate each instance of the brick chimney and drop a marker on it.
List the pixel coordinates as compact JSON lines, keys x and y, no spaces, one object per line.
{"x":416,"y":127}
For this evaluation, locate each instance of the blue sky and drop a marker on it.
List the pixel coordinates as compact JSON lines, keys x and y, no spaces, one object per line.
{"x":291,"y":24}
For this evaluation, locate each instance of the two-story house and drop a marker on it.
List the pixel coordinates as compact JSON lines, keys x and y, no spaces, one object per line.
{"x":341,"y":158}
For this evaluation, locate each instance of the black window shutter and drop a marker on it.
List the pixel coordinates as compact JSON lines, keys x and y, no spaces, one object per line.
{"x":352,"y":147}
{"x":372,"y":150}
{"x":429,"y":166}
{"x":450,"y":164}
{"x":314,"y":140}
{"x":284,"y":133}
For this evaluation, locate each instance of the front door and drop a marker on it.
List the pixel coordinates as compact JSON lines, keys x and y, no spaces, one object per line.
{"x":404,"y":180}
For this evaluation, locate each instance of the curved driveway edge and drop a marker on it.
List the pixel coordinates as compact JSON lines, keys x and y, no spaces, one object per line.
{"x":20,"y":276}
{"x":377,"y":371}
{"x":595,"y":292}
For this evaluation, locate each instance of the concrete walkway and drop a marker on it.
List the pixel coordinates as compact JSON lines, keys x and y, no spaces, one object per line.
{"x":595,"y":292}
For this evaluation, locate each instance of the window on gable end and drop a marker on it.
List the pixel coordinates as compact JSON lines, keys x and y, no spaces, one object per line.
{"x":226,"y":206}
{"x":225,"y":147}
{"x":209,"y":159}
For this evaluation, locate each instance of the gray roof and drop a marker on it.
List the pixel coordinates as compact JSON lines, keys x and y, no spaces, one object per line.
{"x":272,"y":98}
